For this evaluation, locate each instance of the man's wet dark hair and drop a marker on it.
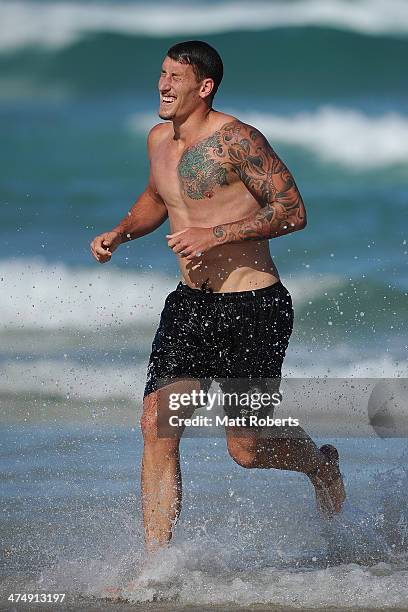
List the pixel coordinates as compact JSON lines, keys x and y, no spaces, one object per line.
{"x":204,"y":60}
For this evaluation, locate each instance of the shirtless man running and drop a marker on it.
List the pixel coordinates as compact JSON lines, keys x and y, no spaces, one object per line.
{"x":226,"y":193}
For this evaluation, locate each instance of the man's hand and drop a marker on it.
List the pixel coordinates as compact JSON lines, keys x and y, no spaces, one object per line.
{"x":103,"y":246}
{"x":192,"y":242}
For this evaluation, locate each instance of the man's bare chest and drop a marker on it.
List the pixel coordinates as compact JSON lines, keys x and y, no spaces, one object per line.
{"x":198,"y":173}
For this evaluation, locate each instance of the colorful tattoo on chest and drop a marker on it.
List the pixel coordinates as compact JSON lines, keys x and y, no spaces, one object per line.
{"x":200,"y":172}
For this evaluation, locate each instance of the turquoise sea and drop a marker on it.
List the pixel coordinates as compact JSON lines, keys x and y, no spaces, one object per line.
{"x":325,"y":81}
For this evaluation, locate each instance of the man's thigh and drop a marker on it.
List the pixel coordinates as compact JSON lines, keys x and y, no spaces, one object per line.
{"x":166,"y":409}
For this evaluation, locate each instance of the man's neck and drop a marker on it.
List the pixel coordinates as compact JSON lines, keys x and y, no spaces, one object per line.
{"x":187,"y":130}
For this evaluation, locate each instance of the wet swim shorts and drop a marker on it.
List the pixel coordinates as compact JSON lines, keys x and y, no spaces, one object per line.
{"x":212,"y":336}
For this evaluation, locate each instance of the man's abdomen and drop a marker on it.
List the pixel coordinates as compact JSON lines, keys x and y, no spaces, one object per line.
{"x":231,"y":267}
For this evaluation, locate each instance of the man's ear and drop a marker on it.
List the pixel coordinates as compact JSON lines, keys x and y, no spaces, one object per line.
{"x":206,"y":88}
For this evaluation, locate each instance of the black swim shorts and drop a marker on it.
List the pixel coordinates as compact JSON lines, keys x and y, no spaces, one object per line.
{"x":212,"y":336}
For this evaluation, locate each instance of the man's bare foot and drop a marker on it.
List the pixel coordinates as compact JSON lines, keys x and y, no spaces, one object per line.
{"x":120,"y":593}
{"x":112,"y":592}
{"x":328,"y":482}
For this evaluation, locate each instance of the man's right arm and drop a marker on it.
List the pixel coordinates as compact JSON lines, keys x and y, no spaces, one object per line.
{"x":146,"y":215}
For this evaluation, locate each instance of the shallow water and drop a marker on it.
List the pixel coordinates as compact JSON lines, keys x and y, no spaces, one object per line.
{"x":72,"y":524}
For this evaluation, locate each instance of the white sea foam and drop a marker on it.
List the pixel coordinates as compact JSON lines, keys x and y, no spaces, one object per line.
{"x":59,"y":24}
{"x":341,"y":587}
{"x":69,"y":380}
{"x":344,"y":136}
{"x":40,"y":296}
{"x":339,"y":363}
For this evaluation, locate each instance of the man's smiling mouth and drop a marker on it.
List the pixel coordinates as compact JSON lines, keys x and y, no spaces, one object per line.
{"x":168,"y":99}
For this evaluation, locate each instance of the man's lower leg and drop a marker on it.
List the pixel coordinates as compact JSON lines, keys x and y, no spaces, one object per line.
{"x":161,"y":491}
{"x":295,"y":452}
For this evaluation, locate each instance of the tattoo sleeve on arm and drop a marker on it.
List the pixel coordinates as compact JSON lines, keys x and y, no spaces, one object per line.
{"x":269,"y":181}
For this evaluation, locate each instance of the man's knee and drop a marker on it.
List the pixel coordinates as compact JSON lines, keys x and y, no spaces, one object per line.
{"x":152,"y":430}
{"x":244,"y":452}
{"x":148,"y":421}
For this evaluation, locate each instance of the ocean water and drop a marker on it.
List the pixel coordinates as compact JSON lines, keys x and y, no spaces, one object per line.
{"x":72,"y":524}
{"x":324,"y":80}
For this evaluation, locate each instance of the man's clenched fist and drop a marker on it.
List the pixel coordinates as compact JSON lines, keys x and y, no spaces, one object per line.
{"x":103,"y":246}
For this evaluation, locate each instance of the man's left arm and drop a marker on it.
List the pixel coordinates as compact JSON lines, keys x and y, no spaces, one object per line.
{"x":272,"y":185}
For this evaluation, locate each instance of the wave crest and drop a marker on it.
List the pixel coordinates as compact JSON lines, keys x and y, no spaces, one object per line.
{"x":57,"y":25}
{"x":344,"y":136}
{"x":42,"y":296}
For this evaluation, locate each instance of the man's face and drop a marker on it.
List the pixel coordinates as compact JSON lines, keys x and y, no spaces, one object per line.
{"x":179,"y":90}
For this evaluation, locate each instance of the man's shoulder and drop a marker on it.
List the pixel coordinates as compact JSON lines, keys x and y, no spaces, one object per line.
{"x":158,"y":133}
{"x":239,"y":128}
{"x":225,"y":122}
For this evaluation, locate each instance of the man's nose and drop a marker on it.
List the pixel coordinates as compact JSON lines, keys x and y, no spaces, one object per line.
{"x":164,"y":84}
